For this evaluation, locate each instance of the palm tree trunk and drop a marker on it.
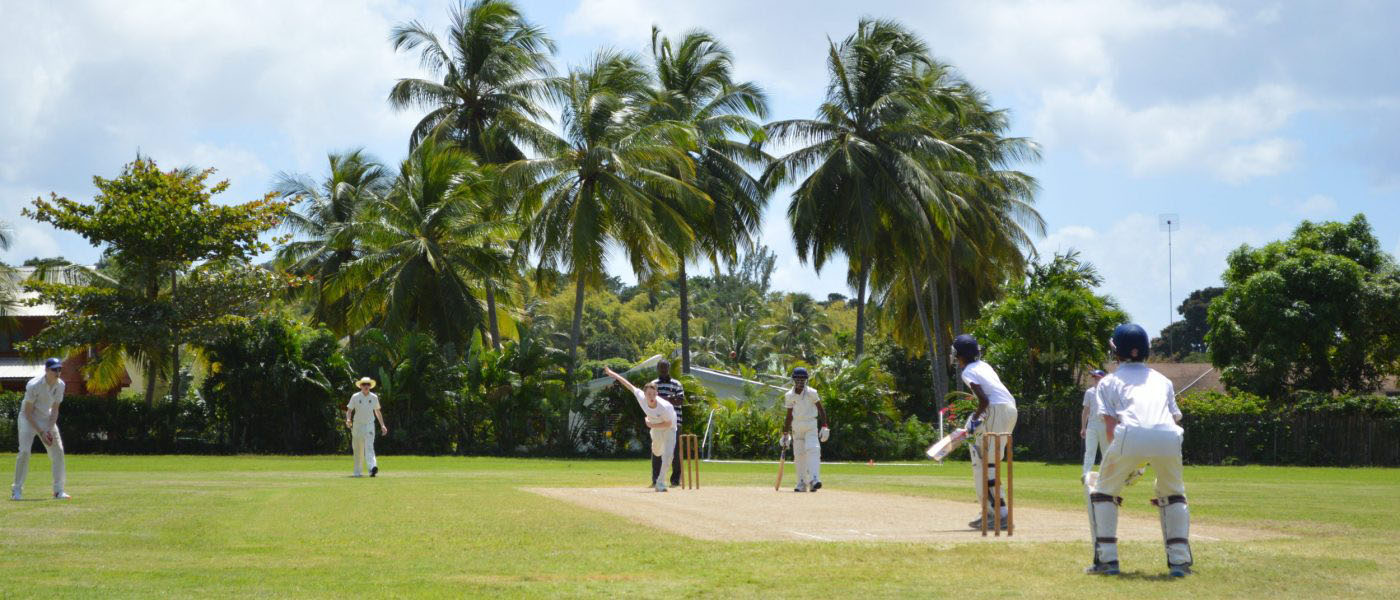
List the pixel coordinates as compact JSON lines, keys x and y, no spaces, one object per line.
{"x":940,"y":375}
{"x":939,"y":332}
{"x":685,"y":322}
{"x":575,"y":331}
{"x":860,"y":307}
{"x":491,"y":316}
{"x":954,"y":304}
{"x":151,"y":367}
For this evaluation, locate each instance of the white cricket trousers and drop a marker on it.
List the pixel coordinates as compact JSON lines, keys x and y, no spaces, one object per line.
{"x":26,"y":444}
{"x":362,"y":441}
{"x":807,"y":452}
{"x":999,"y":418}
{"x":1095,"y":444}
{"x":663,"y":444}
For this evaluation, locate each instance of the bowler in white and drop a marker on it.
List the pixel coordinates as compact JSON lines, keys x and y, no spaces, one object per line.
{"x":38,"y":417}
{"x":360,"y":415}
{"x":660,"y":420}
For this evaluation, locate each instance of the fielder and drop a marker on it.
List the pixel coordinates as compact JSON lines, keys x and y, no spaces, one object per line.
{"x":806,"y":423}
{"x":1141,"y":419}
{"x":1091,"y":426}
{"x":661,"y":421}
{"x":996,"y":413}
{"x":360,"y":415}
{"x":38,"y":416}
{"x":673,"y":392}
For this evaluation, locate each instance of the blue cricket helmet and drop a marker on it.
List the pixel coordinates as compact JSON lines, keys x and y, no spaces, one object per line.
{"x":799,"y":373}
{"x":965,"y":347}
{"x":1128,"y":337}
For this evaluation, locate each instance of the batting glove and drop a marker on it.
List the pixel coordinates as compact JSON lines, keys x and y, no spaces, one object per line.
{"x":786,"y":440}
{"x":825,"y":433}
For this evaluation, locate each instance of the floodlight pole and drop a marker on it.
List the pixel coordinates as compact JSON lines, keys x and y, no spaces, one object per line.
{"x":1170,"y":223}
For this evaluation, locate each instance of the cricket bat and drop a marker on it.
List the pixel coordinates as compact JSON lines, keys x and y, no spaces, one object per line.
{"x":782,"y":456}
{"x":945,"y":446}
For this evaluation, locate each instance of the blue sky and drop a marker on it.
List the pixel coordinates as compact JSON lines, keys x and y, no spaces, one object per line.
{"x":1242,"y":117}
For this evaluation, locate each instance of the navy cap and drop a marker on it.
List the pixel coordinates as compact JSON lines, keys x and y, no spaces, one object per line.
{"x":53,"y":364}
{"x":799,"y":373}
{"x":1097,"y":373}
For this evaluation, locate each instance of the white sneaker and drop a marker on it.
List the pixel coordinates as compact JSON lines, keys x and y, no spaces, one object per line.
{"x":61,"y":496}
{"x":660,"y":487}
{"x":14,"y":494}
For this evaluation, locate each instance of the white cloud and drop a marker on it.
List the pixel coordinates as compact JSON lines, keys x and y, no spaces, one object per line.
{"x":247,"y":87}
{"x":1230,"y":137}
{"x":1131,"y":254}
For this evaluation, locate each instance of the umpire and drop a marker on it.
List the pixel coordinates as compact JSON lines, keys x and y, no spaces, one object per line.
{"x":670,"y":390}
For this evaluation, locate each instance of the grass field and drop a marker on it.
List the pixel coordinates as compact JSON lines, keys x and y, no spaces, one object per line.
{"x":255,"y":526}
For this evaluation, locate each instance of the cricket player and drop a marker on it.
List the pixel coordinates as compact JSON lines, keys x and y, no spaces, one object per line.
{"x":671,"y":391}
{"x":1141,"y":420}
{"x":38,"y":417}
{"x":806,"y":425}
{"x":661,"y":422}
{"x":996,"y":413}
{"x":1091,"y":426}
{"x":360,"y":415}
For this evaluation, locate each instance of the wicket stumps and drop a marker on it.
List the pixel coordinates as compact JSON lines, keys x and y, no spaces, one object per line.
{"x":690,"y":461}
{"x":1000,"y":446}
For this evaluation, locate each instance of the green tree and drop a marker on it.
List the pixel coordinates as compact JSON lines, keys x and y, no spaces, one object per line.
{"x":1049,"y":329}
{"x":600,"y":183}
{"x":423,"y":249}
{"x":322,"y":249}
{"x":1188,"y":336}
{"x":1319,"y":311}
{"x":695,"y":85}
{"x":867,"y":155}
{"x":799,"y":329}
{"x":155,"y":225}
{"x":491,"y":71}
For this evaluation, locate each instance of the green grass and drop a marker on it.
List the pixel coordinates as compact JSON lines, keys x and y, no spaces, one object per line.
{"x":450,"y":527}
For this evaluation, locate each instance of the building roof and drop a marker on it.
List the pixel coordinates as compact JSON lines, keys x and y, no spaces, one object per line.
{"x":21,"y":307}
{"x":723,"y":385}
{"x":19,"y":368}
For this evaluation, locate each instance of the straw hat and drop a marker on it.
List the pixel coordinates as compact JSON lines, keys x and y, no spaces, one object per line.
{"x":364,"y":380}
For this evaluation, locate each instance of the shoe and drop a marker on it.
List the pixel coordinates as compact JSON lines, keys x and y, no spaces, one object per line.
{"x":357,"y":475}
{"x":816,"y":486}
{"x":800,"y":488}
{"x":977,"y":524}
{"x":373,"y":471}
{"x":1180,"y":570}
{"x":660,"y":488}
{"x":61,"y":496}
{"x":1109,"y":568}
{"x":14,"y":495}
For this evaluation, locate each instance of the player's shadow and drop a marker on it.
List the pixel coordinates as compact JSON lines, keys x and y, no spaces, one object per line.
{"x":1136,"y":576}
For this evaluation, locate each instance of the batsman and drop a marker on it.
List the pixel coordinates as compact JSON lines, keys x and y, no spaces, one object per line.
{"x":1141,"y":420}
{"x":805,"y":428}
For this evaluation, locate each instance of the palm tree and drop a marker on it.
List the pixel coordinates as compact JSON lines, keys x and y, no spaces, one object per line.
{"x":422,"y":248}
{"x":613,"y":178}
{"x":355,"y":180}
{"x":694,"y":85}
{"x":800,"y":327}
{"x":867,"y":155}
{"x":491,"y":67}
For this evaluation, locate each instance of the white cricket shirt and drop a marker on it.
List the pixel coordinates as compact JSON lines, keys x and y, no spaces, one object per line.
{"x":1091,"y":400}
{"x":663,"y":409}
{"x":986,"y":377}
{"x":42,"y":395}
{"x":364,"y":406}
{"x":804,"y":405}
{"x":1139,"y":396}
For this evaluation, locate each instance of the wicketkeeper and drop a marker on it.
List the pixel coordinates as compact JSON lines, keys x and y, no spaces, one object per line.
{"x":996,"y":413}
{"x":1141,"y":419}
{"x":806,"y":425}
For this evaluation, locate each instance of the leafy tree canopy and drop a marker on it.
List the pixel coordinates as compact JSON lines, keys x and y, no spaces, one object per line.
{"x":1319,"y":311}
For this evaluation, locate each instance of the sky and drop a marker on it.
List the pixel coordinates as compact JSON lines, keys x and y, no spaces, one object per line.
{"x":1243,"y":118}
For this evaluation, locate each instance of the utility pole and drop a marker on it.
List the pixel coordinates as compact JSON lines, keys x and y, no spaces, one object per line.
{"x":1169,"y":222}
